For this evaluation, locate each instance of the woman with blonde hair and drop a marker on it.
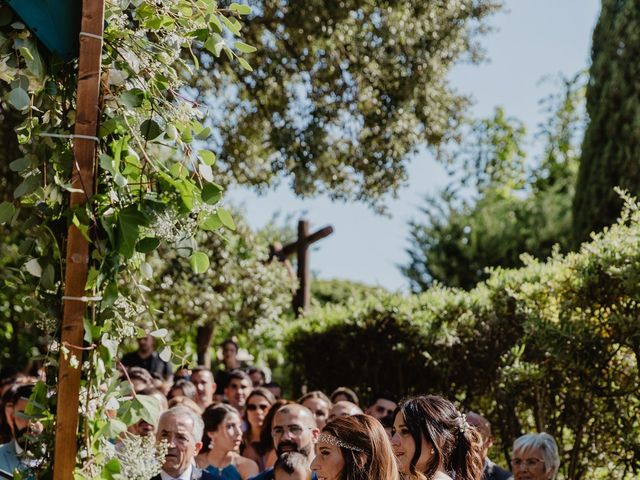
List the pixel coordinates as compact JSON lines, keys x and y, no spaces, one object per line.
{"x":354,"y":448}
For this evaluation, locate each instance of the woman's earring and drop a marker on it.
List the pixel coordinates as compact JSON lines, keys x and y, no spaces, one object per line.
{"x":432,"y":451}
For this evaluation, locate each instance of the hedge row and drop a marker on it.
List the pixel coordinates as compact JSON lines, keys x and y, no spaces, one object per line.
{"x":553,"y":346}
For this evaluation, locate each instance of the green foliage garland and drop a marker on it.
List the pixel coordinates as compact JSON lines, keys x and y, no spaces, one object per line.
{"x":155,"y":187}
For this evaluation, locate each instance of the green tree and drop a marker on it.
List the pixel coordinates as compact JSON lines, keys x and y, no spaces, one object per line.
{"x":342,"y":92}
{"x":611,"y":147}
{"x":241,"y":293}
{"x":551,"y":346}
{"x":500,"y":206}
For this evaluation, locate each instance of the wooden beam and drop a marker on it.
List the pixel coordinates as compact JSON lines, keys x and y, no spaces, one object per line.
{"x":301,"y":299}
{"x":291,"y":248}
{"x":77,"y":257}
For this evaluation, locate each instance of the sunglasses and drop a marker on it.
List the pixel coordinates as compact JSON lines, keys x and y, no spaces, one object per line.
{"x":261,"y":406}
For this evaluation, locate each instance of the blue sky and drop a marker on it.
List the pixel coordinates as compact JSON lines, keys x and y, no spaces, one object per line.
{"x":533,"y":39}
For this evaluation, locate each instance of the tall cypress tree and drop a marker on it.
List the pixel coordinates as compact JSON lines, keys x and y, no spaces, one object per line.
{"x":611,"y":147}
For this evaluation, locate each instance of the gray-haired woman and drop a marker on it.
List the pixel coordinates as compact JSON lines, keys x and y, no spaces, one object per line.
{"x":535,"y":457}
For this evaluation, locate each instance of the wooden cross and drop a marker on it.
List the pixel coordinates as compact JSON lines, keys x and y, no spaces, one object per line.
{"x":301,"y":249}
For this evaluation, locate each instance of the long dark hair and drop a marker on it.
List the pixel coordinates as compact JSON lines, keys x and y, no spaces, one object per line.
{"x":457,"y":446}
{"x":375,"y":459}
{"x":213,"y":417}
{"x":256,"y":392}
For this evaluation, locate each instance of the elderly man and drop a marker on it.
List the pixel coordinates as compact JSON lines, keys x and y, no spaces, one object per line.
{"x":294,"y":430}
{"x":182,"y":429}
{"x":491,"y":470}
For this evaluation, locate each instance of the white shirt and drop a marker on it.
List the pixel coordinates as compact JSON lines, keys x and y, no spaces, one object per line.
{"x":186,"y":475}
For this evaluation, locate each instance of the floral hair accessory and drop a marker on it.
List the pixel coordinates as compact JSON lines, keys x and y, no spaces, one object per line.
{"x":463,"y":423}
{"x":325,"y":437}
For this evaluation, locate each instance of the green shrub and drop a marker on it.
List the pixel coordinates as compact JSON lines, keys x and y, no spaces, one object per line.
{"x":553,"y":346}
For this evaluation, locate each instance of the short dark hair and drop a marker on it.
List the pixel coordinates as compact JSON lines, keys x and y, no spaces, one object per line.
{"x":188,"y":389}
{"x":201,"y":368}
{"x":23,"y":391}
{"x":238,"y":374}
{"x":139,"y":373}
{"x":228,"y":341}
{"x":384,"y":395}
{"x":251,"y":370}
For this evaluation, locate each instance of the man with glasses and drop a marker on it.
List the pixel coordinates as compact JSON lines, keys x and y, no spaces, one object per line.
{"x":294,"y":430}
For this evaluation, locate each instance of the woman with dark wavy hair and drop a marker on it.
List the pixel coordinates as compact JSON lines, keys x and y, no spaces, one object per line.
{"x":354,"y":448}
{"x":433,"y":441}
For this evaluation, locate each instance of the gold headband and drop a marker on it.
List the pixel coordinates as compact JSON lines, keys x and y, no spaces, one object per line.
{"x":325,"y":437}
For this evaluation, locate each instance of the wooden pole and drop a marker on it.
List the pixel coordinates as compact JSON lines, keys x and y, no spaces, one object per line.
{"x":301,"y":299}
{"x":77,"y":258}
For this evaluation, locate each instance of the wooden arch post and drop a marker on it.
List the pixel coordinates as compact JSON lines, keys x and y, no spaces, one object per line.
{"x":77,"y":256}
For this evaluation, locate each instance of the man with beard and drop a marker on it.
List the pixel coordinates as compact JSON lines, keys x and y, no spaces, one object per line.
{"x":294,"y":430}
{"x":182,"y":429}
{"x":14,"y":455}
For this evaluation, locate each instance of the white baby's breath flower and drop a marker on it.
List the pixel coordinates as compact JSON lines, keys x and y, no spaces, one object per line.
{"x":140,"y":458}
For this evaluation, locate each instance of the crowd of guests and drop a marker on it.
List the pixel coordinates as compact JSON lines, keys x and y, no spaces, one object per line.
{"x":232,"y":425}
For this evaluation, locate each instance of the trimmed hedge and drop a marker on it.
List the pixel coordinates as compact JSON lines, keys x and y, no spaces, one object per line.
{"x":553,"y":346}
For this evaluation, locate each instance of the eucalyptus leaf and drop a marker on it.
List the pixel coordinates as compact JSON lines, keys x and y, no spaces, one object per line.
{"x":19,"y":164}
{"x":211,"y":223}
{"x":240,"y":9}
{"x":207,"y":157}
{"x":206,"y":172}
{"x":150,"y":129}
{"x":33,"y":267}
{"x":199,"y":262}
{"x":226,"y":219}
{"x":245,"y":47}
{"x":28,"y":185}
{"x":211,"y":193}
{"x":244,"y":64}
{"x":29,"y":52}
{"x":147,"y":244}
{"x":7,"y":210}
{"x":160,"y":333}
{"x":19,"y":99}
{"x":47,"y":280}
{"x":165,"y":353}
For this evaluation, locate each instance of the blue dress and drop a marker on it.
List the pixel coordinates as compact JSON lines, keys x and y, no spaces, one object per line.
{"x":230,"y":472}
